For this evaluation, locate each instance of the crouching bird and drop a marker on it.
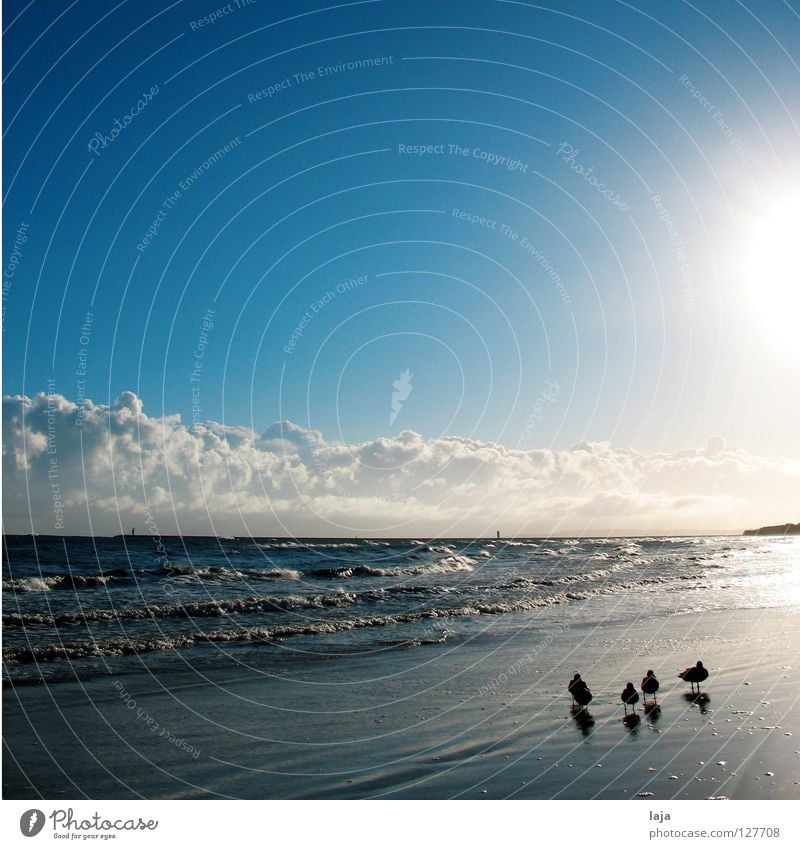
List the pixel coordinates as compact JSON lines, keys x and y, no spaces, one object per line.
{"x":579,"y":691}
{"x":650,"y":686}
{"x":694,"y":675}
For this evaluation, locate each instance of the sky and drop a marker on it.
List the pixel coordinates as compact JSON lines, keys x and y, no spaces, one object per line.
{"x":400,"y":268}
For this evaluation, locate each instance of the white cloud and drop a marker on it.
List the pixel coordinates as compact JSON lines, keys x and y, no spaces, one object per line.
{"x":230,"y":480}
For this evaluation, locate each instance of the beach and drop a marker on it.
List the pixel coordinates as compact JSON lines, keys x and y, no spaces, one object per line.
{"x":486,"y":716}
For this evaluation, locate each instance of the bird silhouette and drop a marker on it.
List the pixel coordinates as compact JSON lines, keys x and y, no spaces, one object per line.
{"x":629,"y":697}
{"x":579,"y":691}
{"x":650,"y":685}
{"x":694,"y":675}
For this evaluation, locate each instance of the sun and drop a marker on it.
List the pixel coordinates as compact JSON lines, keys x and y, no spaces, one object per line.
{"x":772,"y":270}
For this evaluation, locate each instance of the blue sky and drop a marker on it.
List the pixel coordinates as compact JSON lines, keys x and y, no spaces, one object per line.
{"x":638,"y":309}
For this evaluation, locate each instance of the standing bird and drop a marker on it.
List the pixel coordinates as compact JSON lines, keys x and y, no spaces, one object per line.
{"x":650,"y":685}
{"x":629,"y":697}
{"x":694,"y":674}
{"x":579,"y":691}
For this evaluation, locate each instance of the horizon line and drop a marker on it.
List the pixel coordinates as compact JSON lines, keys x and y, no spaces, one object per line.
{"x":408,"y":537}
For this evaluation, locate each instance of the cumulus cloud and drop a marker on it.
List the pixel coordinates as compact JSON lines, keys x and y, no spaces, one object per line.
{"x":103,"y":469}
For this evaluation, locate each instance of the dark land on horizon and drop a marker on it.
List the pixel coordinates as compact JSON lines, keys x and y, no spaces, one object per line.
{"x":774,"y":530}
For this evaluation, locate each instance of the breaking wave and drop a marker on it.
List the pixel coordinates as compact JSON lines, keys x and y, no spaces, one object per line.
{"x":187,"y":610}
{"x":306,"y":546}
{"x":453,"y":563}
{"x":222,"y":572}
{"x":272,"y":634}
{"x":45,"y":583}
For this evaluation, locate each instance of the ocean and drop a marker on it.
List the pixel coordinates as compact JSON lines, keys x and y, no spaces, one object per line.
{"x":78,"y":608}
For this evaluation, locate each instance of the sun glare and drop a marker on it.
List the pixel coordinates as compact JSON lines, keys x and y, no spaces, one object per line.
{"x":773,"y":271}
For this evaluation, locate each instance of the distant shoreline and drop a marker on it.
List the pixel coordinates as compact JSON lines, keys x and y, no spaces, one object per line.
{"x":774,"y":530}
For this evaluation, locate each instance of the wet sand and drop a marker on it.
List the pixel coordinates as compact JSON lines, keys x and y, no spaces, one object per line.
{"x":484,"y":718}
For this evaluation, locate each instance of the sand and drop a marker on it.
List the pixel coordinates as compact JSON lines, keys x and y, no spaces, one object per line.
{"x":483,"y":718}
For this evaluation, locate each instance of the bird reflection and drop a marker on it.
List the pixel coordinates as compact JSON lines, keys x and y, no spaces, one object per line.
{"x":652,"y":711}
{"x":699,"y":699}
{"x":583,"y":719}
{"x":629,"y":698}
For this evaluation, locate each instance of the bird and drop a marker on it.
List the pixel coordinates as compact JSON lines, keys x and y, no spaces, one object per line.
{"x":579,"y":691}
{"x":694,"y":674}
{"x":650,"y":685}
{"x":629,"y":697}
{"x":575,"y":682}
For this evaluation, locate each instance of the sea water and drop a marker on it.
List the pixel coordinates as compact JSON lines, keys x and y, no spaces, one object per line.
{"x":77,"y":607}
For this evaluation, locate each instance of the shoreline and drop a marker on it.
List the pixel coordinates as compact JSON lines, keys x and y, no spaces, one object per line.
{"x":484,"y":718}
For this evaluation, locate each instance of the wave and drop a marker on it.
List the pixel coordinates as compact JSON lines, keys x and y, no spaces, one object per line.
{"x":130,"y":646}
{"x":628,"y":548}
{"x":222,"y":572}
{"x":453,"y":563}
{"x":439,"y":549}
{"x":272,"y":634}
{"x":515,"y":544}
{"x":414,"y":642}
{"x":187,"y":610}
{"x":594,"y":575}
{"x":306,"y":546}
{"x":45,"y":583}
